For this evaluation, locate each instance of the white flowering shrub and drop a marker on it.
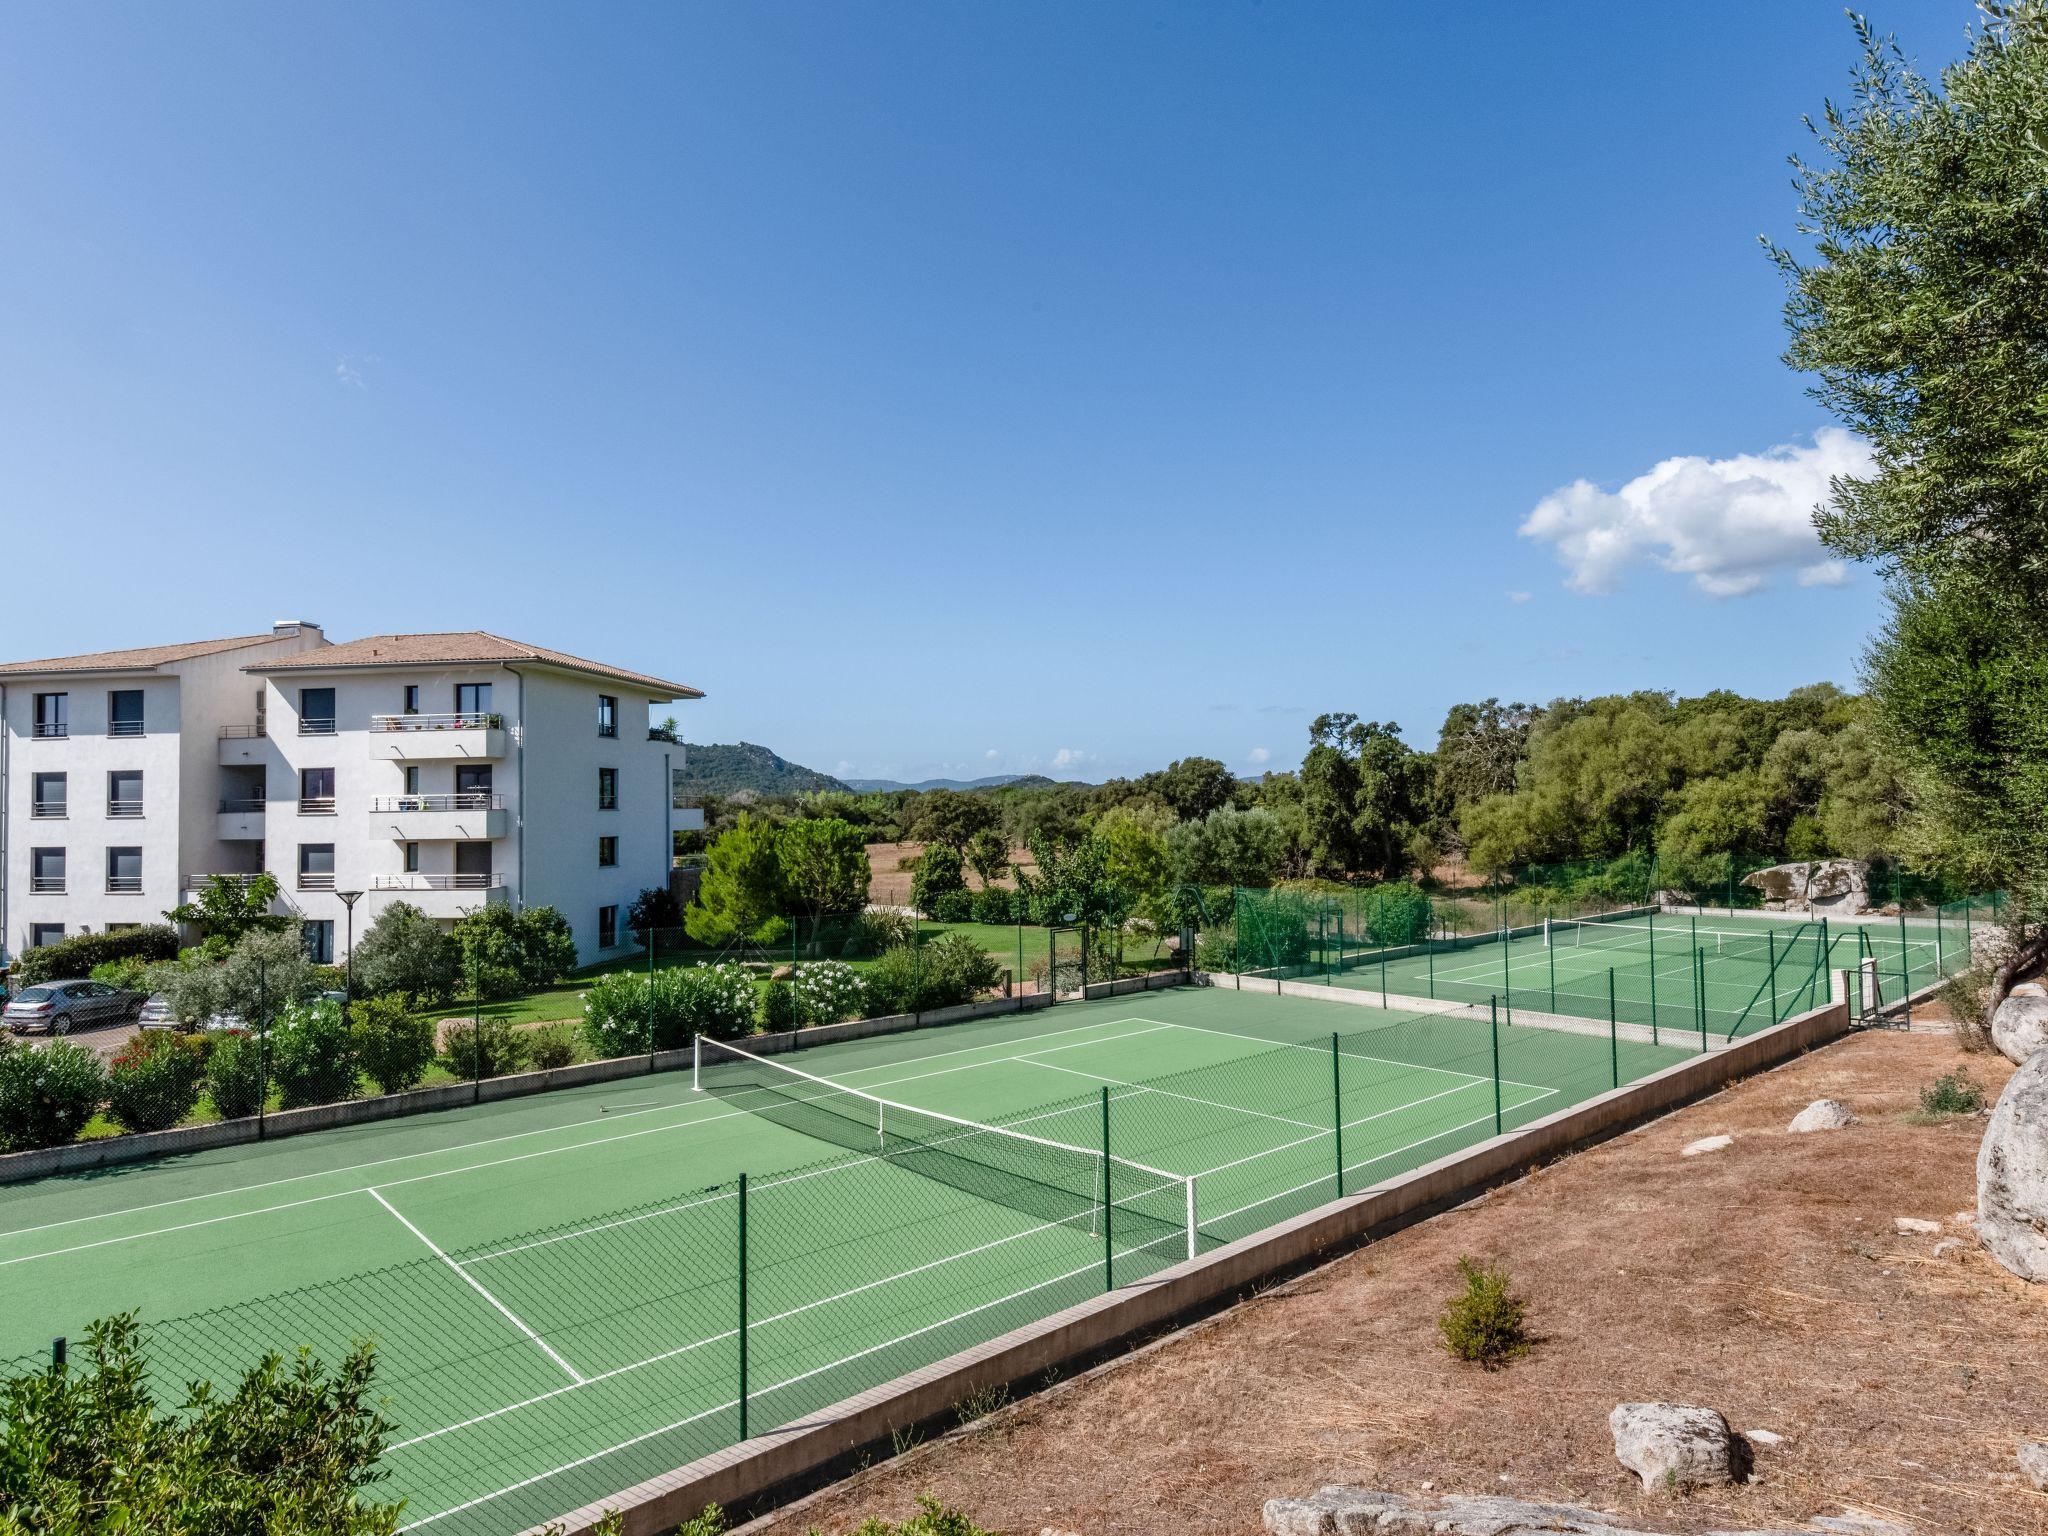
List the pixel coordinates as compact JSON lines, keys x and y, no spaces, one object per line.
{"x":715,"y":1000}
{"x":828,"y":992}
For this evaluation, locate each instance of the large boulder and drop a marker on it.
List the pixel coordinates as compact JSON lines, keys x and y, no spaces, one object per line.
{"x":2020,"y":1026}
{"x":2012,"y":1174}
{"x":1823,"y":885}
{"x":1673,"y":1447}
{"x":1822,"y":1115}
{"x":1342,"y":1511}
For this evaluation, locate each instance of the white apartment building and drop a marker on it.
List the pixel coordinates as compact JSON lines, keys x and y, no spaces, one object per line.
{"x":445,"y":770}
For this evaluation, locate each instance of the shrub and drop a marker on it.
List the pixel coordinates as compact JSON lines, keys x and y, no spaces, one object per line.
{"x":312,"y":1055}
{"x":130,"y":973}
{"x":1484,"y":1322}
{"x":775,"y":933}
{"x":47,"y":1094}
{"x":77,"y":955}
{"x":1216,"y":949}
{"x":950,"y":969}
{"x":939,"y":869}
{"x":1964,"y":995}
{"x":407,"y":951}
{"x":505,"y":953}
{"x":235,"y":1075}
{"x":877,"y":932}
{"x":618,"y":1014}
{"x":393,"y":1045}
{"x":1396,"y":913}
{"x":932,"y":1519}
{"x":551,"y":1046}
{"x":492,"y":1049}
{"x":290,"y":1449}
{"x":953,"y":906}
{"x":827,"y":992}
{"x":716,"y":1000}
{"x":265,"y":969}
{"x":653,"y":910}
{"x":995,"y":905}
{"x":153,"y":1082}
{"x":1953,"y":1093}
{"x":778,"y":1006}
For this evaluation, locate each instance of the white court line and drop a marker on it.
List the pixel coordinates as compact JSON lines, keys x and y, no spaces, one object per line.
{"x":1378,"y":1114}
{"x":1168,"y":1093}
{"x":685,"y":1104}
{"x":477,"y":1285}
{"x":419,"y":1178}
{"x":1322,"y":1050}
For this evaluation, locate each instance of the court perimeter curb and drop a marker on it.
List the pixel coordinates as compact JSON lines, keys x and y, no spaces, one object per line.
{"x":789,"y":1460}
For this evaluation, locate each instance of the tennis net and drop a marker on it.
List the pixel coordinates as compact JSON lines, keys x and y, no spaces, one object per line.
{"x":1633,"y":938}
{"x":1136,"y":1206}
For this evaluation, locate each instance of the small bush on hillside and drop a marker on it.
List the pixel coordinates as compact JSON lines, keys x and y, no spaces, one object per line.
{"x":953,"y":906}
{"x":153,"y":1081}
{"x":551,"y":1046}
{"x":932,"y":1519}
{"x":1953,"y":1093}
{"x":995,"y":905}
{"x":877,"y":932}
{"x":47,"y":1094}
{"x":494,"y":1049}
{"x":1963,"y":994}
{"x":1484,"y":1322}
{"x":312,"y":1055}
{"x":828,"y":992}
{"x":235,"y":1074}
{"x":393,"y":1045}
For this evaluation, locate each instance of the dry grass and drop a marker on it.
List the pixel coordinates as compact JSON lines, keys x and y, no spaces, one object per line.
{"x":1764,"y":1280}
{"x":890,"y":886}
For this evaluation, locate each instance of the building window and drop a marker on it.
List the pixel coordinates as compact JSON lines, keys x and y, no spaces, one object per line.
{"x":124,"y":793}
{"x":473,"y":699}
{"x":412,"y":698}
{"x":53,"y":714}
{"x":473,"y":866}
{"x":316,"y":711}
{"x":412,"y":780}
{"x":124,"y":712}
{"x":316,"y":866}
{"x":607,"y":789}
{"x":607,"y":715}
{"x":316,"y":791}
{"x":52,"y":796}
{"x":607,"y":927}
{"x":46,"y":870}
{"x":124,"y":870}
{"x":412,"y":858}
{"x":607,"y":852}
{"x":317,"y":938}
{"x":40,"y":934}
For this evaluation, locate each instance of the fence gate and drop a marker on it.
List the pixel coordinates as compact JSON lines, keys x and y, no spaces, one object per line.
{"x":1067,"y":977}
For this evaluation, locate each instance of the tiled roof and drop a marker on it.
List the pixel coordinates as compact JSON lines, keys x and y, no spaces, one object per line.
{"x":469,"y":645}
{"x":141,"y":659}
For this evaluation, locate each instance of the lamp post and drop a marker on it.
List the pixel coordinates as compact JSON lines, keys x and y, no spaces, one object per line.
{"x":348,"y":900}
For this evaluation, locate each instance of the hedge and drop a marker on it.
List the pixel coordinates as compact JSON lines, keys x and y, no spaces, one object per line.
{"x":77,"y":955}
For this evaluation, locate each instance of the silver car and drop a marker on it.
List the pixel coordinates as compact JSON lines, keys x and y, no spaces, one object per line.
{"x":58,"y":1007}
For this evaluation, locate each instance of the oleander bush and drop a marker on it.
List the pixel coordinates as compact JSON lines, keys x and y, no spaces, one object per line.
{"x":153,"y":1081}
{"x":312,"y":1054}
{"x":235,"y":1077}
{"x":828,"y":992}
{"x":47,"y":1093}
{"x":393,"y":1045}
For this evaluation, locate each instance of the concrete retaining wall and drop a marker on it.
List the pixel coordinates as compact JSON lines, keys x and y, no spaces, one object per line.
{"x":795,"y":1455}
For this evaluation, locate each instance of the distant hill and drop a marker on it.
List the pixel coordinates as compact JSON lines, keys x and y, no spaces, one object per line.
{"x":994,"y":781}
{"x":726,"y":770}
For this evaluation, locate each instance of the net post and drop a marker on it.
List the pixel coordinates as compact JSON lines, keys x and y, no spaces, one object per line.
{"x":1613,"y":1030}
{"x":1108,"y":1201}
{"x":743,"y":1305}
{"x":1337,"y":1107}
{"x":1191,"y":1217}
{"x":1493,"y":1025}
{"x":696,"y":1063}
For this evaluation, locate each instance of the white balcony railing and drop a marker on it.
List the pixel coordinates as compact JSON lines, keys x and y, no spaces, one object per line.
{"x":254,"y":804}
{"x":242,"y":732}
{"x":50,"y":810}
{"x":124,"y":885}
{"x":51,"y":731}
{"x":310,"y":880}
{"x":47,"y":885}
{"x":453,"y":721}
{"x":467,"y":800}
{"x":489,"y":882}
{"x":316,"y":805}
{"x":124,"y":728}
{"x":315,"y":726}
{"x":124,"y":810}
{"x":234,"y":877}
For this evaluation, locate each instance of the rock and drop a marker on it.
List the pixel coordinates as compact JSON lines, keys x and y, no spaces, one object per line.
{"x":1673,"y":1447}
{"x":1947,"y":1246}
{"x":2034,"y":1462}
{"x":2012,"y":1174}
{"x":1840,"y":886}
{"x":1964,"y":1218}
{"x":1763,"y":1437}
{"x":783,"y":973}
{"x":1822,"y":1115}
{"x":1342,"y":1511}
{"x":1908,"y":1226}
{"x":1705,"y":1144}
{"x":2020,"y":1026}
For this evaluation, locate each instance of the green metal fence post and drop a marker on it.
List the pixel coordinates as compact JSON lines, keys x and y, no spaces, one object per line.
{"x":1699,"y":969}
{"x":1431,"y":946}
{"x":1653,"y":976}
{"x":1493,"y":1025}
{"x":1613,"y":1030}
{"x":1337,"y":1108}
{"x":1383,"y":978}
{"x":1939,"y":969}
{"x":743,"y":1306}
{"x":1108,"y":1201}
{"x":1771,"y":946}
{"x":1550,"y":950}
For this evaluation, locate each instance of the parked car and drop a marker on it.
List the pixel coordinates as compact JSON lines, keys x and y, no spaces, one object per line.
{"x":156,"y":1014}
{"x":58,"y":1007}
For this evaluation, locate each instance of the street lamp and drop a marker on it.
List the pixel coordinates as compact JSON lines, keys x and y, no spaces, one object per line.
{"x":348,"y":976}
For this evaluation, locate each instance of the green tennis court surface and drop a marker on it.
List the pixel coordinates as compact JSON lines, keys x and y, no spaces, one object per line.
{"x":1729,"y":973}
{"x":554,"y":1284}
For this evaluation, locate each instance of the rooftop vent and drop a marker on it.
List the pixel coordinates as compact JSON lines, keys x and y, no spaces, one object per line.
{"x":294,"y":627}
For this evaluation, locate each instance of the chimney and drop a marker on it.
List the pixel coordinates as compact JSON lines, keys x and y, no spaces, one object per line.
{"x":285,"y":628}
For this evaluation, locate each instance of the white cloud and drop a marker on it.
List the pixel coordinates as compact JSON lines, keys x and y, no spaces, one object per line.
{"x":1260,"y":754}
{"x":1729,"y":524}
{"x":348,"y":370}
{"x":1518,"y":597}
{"x":1069,"y":757}
{"x":992,"y":754}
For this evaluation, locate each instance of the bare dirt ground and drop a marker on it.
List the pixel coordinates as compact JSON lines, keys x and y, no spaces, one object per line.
{"x":1764,"y":1280}
{"x":890,"y":886}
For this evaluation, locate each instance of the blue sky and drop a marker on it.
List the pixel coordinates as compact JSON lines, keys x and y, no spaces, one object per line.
{"x":943,"y":388}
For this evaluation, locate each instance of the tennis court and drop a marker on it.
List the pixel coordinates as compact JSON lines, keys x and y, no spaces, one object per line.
{"x":576,"y":1291}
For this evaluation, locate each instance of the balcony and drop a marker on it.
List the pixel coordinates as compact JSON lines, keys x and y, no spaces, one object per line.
{"x":124,"y":885}
{"x":436,"y":738}
{"x":50,"y":810}
{"x":124,"y":810}
{"x":47,"y":885}
{"x":124,"y":728}
{"x":444,"y":896}
{"x":316,"y":805}
{"x":242,"y":746}
{"x":426,"y":818}
{"x":687,"y":818}
{"x":315,"y":725}
{"x":195,"y":885}
{"x":241,"y":821}
{"x":312,"y":880}
{"x":51,"y":730}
